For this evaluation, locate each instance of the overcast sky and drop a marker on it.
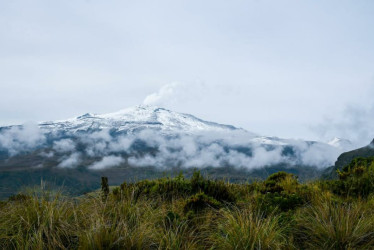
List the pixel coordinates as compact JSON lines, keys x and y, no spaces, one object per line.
{"x":293,"y":69}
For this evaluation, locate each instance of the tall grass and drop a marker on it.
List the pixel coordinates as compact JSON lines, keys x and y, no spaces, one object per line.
{"x":115,"y":225}
{"x":34,"y":222}
{"x":245,"y":229}
{"x":176,"y":213}
{"x":178,"y":234}
{"x":331,"y":225}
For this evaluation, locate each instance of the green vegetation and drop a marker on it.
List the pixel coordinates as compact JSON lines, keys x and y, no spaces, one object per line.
{"x":356,"y":179}
{"x":199,"y":213}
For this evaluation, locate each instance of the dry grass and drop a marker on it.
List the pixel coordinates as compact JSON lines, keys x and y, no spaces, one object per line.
{"x":331,"y":225}
{"x":38,"y":223}
{"x":153,"y":219}
{"x":245,"y":229}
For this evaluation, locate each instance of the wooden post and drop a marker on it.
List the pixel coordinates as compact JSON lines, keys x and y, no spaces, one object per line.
{"x":104,"y":188}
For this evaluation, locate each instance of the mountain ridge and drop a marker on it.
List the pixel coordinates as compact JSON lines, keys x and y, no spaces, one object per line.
{"x":144,"y":142}
{"x":154,"y":126}
{"x":346,"y":157}
{"x":130,"y":118}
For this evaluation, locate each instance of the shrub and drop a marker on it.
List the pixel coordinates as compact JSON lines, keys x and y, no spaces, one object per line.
{"x":196,"y":213}
{"x":280,"y":182}
{"x":19,"y":197}
{"x":219,"y":190}
{"x":355,"y":179}
{"x":283,"y":201}
{"x":200,"y":201}
{"x":171,"y":188}
{"x":280,"y":191}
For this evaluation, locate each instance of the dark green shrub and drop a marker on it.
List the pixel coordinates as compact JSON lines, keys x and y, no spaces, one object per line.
{"x":2,"y":204}
{"x":280,"y":191}
{"x":279,"y":182}
{"x":219,"y":190}
{"x":171,"y":219}
{"x":199,"y":202}
{"x":19,"y":197}
{"x":355,"y":179}
{"x":283,"y":201}
{"x":169,"y":188}
{"x":117,"y":193}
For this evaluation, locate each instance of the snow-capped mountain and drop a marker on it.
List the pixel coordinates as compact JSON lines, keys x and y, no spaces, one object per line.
{"x":143,"y":142}
{"x":134,"y":119}
{"x":152,"y":136}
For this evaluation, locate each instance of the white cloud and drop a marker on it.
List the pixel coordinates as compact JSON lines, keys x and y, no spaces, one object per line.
{"x":164,"y":94}
{"x":122,"y":143}
{"x":20,"y":138}
{"x":71,"y":161}
{"x":102,"y":135}
{"x":210,"y":149}
{"x":106,"y":162}
{"x":320,"y":155}
{"x":355,"y":122}
{"x":147,"y":160}
{"x":97,"y":142}
{"x":177,"y":94}
{"x":63,"y":146}
{"x":49,"y":154}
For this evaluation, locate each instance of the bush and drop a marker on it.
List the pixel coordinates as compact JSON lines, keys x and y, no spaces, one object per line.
{"x":280,"y":182}
{"x":280,"y":191}
{"x":179,"y":187}
{"x":19,"y":197}
{"x":197,"y":213}
{"x":200,"y":201}
{"x":355,"y":179}
{"x":283,"y":201}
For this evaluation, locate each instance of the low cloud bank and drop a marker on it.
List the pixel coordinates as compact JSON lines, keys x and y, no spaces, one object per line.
{"x":151,"y":148}
{"x":70,"y":161}
{"x":239,"y":149}
{"x":21,"y":138}
{"x":63,"y":146}
{"x":200,"y":152}
{"x":355,"y":122}
{"x":106,"y":162}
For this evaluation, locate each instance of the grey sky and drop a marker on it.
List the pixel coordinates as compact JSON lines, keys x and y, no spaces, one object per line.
{"x":284,"y":68}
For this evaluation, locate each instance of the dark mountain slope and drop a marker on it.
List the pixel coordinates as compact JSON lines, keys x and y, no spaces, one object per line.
{"x":347,"y":157}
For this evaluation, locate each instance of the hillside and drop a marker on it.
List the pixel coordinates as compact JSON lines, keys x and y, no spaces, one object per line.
{"x":148,"y":142}
{"x":345,"y":158}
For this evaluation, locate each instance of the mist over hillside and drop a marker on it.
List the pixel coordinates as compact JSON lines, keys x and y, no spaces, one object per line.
{"x":148,"y":142}
{"x":146,"y":136}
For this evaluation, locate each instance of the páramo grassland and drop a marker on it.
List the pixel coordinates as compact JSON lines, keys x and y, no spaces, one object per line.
{"x":199,"y":213}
